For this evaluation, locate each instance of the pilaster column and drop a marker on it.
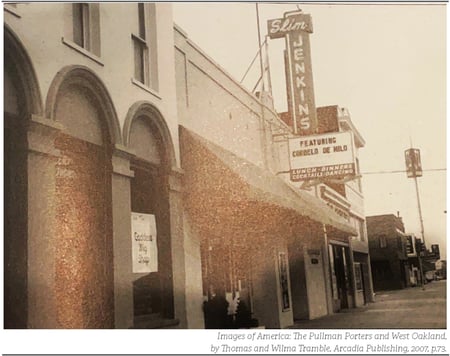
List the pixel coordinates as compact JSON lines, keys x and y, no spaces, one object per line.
{"x":121,"y":216}
{"x":42,"y":160}
{"x":179,"y":268}
{"x":326,"y":271}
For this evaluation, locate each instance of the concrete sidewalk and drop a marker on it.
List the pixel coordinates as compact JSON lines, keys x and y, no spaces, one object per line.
{"x":411,"y":308}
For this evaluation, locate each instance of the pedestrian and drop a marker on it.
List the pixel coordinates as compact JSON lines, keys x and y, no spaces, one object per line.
{"x":216,"y":310}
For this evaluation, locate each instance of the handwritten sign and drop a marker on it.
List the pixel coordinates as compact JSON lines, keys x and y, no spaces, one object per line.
{"x":143,"y":242}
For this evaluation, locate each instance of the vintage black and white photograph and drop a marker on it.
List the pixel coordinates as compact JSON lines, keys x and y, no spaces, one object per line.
{"x":225,"y":166}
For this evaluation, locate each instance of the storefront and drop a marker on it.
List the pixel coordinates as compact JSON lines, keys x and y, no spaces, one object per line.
{"x":259,"y":236}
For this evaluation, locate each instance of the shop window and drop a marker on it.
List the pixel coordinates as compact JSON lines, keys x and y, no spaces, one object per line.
{"x":383,"y":241}
{"x":144,"y":46}
{"x":86,"y":26}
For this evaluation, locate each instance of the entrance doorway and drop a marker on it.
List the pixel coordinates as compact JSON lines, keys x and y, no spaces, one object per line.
{"x":340,"y":276}
{"x":153,"y":297}
{"x":152,"y":292}
{"x":15,"y":200}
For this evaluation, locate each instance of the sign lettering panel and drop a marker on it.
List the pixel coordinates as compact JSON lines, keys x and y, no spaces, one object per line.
{"x":329,"y":155}
{"x":143,"y":242}
{"x":296,"y":28}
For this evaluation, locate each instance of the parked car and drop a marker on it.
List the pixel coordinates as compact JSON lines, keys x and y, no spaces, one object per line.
{"x":430,"y":276}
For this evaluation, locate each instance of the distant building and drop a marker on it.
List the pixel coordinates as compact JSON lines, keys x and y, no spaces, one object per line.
{"x":388,"y":252}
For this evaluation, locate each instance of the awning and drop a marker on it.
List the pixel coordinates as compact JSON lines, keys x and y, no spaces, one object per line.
{"x":243,"y":180}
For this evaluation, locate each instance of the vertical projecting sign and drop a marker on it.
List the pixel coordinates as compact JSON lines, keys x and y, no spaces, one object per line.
{"x":296,"y":27}
{"x":143,"y":242}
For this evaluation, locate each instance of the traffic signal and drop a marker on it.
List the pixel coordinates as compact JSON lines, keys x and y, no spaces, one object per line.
{"x":413,"y":163}
{"x":420,"y":247}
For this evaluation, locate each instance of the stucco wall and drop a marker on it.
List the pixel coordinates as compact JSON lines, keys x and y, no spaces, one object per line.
{"x":214,"y":105}
{"x":43,"y":29}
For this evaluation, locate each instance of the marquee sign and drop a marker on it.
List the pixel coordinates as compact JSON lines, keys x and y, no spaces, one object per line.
{"x":330,"y":155}
{"x":296,"y":27}
{"x":143,"y":242}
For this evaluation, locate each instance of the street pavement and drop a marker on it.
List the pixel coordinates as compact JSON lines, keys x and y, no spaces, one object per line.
{"x":410,"y":308}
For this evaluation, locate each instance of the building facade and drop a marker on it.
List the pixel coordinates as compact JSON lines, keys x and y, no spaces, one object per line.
{"x":91,"y":135}
{"x":348,"y":275}
{"x":246,"y":218}
{"x":273,"y":255}
{"x":388,"y":252}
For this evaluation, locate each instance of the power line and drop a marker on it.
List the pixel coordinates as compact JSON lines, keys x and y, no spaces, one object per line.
{"x":253,"y":61}
{"x":403,"y":171}
{"x":359,"y":2}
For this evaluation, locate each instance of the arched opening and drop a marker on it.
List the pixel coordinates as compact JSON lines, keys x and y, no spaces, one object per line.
{"x":15,"y":203}
{"x":84,"y":284}
{"x":21,"y":99}
{"x":152,"y":285}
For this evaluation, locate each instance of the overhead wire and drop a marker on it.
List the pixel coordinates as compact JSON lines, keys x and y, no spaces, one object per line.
{"x":404,"y":171}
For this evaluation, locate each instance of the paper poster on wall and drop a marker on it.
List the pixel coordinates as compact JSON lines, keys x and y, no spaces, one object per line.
{"x":143,"y":242}
{"x":284,"y":284}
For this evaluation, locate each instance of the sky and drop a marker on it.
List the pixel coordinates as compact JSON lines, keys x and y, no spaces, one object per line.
{"x":385,"y":63}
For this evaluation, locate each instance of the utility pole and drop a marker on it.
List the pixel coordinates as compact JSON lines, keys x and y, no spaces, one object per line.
{"x":262,"y":94}
{"x":414,"y":170}
{"x":419,"y":257}
{"x":422,"y":233}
